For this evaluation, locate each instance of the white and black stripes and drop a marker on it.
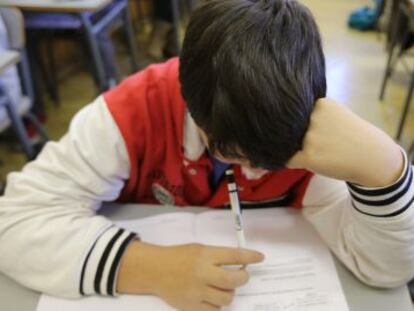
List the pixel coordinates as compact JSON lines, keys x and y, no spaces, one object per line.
{"x":115,"y":264}
{"x":387,"y":201}
{"x":99,"y":271}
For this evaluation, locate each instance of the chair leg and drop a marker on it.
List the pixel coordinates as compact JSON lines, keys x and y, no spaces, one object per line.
{"x":406,"y":109}
{"x":107,"y":51}
{"x":85,"y":55}
{"x":387,"y":74}
{"x":18,"y":126}
{"x":139,"y":10}
{"x":38,"y":126}
{"x":131,"y":38}
{"x":24,"y":71}
{"x":96,"y":55}
{"x":410,"y":153}
{"x":53,"y":80}
{"x":44,"y":55}
{"x":400,"y":32}
{"x":175,"y":6}
{"x":191,"y":5}
{"x":33,"y":69}
{"x":392,"y":60}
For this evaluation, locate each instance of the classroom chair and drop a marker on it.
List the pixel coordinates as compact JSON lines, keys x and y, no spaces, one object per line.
{"x":400,"y":40}
{"x":91,"y":28}
{"x":15,"y":112}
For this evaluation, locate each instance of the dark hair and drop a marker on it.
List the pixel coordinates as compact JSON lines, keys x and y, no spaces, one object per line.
{"x":250,"y":72}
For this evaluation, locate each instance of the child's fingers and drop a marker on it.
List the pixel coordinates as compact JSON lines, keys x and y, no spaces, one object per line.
{"x":205,"y":306}
{"x":227,"y":279}
{"x":234,"y":256}
{"x":218,"y":297}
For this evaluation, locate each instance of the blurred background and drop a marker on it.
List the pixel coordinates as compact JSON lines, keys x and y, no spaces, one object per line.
{"x":56,"y":56}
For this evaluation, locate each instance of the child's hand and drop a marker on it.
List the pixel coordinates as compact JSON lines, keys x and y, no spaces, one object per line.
{"x":188,"y":277}
{"x":341,"y":145}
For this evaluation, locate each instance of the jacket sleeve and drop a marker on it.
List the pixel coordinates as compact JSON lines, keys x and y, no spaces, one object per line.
{"x":51,"y":238}
{"x":371,"y":230}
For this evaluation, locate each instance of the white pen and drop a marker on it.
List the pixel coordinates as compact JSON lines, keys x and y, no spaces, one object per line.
{"x":235,"y":207}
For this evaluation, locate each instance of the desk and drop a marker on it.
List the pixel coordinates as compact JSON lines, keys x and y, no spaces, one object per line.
{"x":82,"y":8}
{"x":69,"y":6}
{"x":359,"y":296}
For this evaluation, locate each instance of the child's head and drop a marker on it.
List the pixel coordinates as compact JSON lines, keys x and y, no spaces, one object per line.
{"x":251,"y":71}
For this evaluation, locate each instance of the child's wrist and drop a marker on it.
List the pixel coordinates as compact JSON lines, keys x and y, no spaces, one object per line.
{"x":137,"y":269}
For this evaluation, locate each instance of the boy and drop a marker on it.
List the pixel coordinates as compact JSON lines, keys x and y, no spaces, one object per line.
{"x":252,"y":79}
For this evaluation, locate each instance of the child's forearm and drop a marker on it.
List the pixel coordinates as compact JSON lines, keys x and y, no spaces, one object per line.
{"x":341,"y":145}
{"x":382,"y":162}
{"x":371,"y":230}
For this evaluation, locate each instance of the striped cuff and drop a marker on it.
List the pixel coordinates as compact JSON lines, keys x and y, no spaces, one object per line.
{"x":385,"y":201}
{"x":100,"y":267}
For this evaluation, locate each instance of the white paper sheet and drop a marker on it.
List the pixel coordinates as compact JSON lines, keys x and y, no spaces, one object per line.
{"x":297,"y":275}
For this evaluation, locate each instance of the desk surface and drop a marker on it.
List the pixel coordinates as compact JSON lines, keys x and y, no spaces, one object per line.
{"x":8,"y":58}
{"x":73,"y":6}
{"x":359,"y":296}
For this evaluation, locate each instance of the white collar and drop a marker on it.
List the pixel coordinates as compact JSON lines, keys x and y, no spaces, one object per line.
{"x":194,"y":147}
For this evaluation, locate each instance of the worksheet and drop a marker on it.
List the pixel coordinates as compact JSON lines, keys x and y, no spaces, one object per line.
{"x":298,"y":273}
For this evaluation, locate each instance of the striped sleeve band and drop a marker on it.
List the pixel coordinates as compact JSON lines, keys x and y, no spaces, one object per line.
{"x":100,"y":267}
{"x":385,"y":201}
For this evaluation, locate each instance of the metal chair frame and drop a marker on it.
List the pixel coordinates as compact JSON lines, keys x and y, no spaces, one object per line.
{"x":402,"y":29}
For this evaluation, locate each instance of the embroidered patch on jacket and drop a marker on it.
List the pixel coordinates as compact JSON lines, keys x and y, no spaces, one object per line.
{"x":162,"y":195}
